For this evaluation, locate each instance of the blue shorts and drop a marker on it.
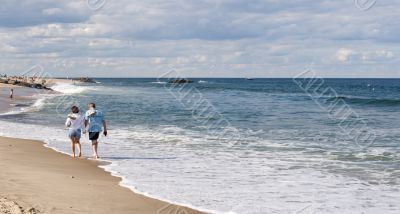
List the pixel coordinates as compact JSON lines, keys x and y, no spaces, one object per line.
{"x":76,"y":133}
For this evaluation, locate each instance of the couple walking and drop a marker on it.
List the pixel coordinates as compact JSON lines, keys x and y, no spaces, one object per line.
{"x":93,"y":121}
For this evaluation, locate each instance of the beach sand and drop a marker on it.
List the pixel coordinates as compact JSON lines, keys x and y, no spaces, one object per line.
{"x":21,"y":95}
{"x":36,"y":179}
{"x":4,"y":97}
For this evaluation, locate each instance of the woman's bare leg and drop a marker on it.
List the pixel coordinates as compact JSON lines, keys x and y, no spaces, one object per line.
{"x":73,"y":147}
{"x":79,"y":147}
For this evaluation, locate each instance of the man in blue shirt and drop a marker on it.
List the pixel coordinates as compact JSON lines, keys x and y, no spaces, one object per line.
{"x":95,"y":120}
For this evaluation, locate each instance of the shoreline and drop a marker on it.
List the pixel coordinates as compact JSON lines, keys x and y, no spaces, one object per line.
{"x":28,"y":95}
{"x":23,"y":95}
{"x":102,"y":165}
{"x":33,"y":167}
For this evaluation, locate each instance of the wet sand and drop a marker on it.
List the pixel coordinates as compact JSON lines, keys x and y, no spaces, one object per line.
{"x":22,"y":95}
{"x":5,"y":100}
{"x":36,"y":179}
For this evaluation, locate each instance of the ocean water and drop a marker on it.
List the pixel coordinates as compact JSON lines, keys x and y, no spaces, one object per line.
{"x":236,"y":145}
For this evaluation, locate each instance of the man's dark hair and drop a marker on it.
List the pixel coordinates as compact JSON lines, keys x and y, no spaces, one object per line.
{"x":75,"y":109}
{"x":93,"y":105}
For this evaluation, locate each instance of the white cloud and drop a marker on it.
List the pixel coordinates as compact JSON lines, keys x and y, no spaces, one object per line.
{"x":52,"y":11}
{"x":378,"y":56}
{"x":343,"y":54}
{"x":213,"y":37}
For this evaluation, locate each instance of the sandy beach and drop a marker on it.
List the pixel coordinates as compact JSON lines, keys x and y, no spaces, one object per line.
{"x":22,"y":95}
{"x":36,"y":179}
{"x":5,"y":101}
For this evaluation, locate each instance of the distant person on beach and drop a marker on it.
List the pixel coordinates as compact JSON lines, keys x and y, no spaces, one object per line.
{"x":95,"y":120}
{"x":11,"y":93}
{"x":75,"y":123}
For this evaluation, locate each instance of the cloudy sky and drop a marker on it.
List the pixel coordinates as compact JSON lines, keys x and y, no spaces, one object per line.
{"x":203,"y":38}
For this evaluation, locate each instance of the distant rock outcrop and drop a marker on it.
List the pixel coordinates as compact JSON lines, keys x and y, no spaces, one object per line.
{"x":85,"y":79}
{"x":24,"y":84}
{"x":180,"y":81}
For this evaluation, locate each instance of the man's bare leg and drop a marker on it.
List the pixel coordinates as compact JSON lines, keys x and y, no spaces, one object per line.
{"x":94,"y":147}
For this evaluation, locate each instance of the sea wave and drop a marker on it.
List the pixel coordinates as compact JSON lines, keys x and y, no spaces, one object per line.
{"x":18,"y":108}
{"x":159,"y":82}
{"x":38,"y":100}
{"x":366,"y":101}
{"x":55,"y":138}
{"x":37,"y":105}
{"x":69,"y":88}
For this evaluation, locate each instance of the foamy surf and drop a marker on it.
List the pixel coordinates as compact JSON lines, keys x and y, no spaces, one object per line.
{"x":158,"y":150}
{"x":132,"y":178}
{"x":39,"y":103}
{"x":55,"y":138}
{"x":159,"y":82}
{"x":18,"y":108}
{"x":68,"y":88}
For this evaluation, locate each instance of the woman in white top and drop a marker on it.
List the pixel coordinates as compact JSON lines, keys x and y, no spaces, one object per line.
{"x":75,"y":123}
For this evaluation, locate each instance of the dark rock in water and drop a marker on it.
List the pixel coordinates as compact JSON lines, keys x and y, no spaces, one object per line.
{"x":180,"y":81}
{"x":25,"y":84}
{"x":38,"y":86}
{"x":85,"y":79}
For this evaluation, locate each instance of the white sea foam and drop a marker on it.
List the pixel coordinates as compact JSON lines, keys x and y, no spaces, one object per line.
{"x":12,"y":112}
{"x":172,"y":164}
{"x":20,"y":108}
{"x":159,"y":82}
{"x":69,"y":88}
{"x":190,"y":168}
{"x":55,"y":138}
